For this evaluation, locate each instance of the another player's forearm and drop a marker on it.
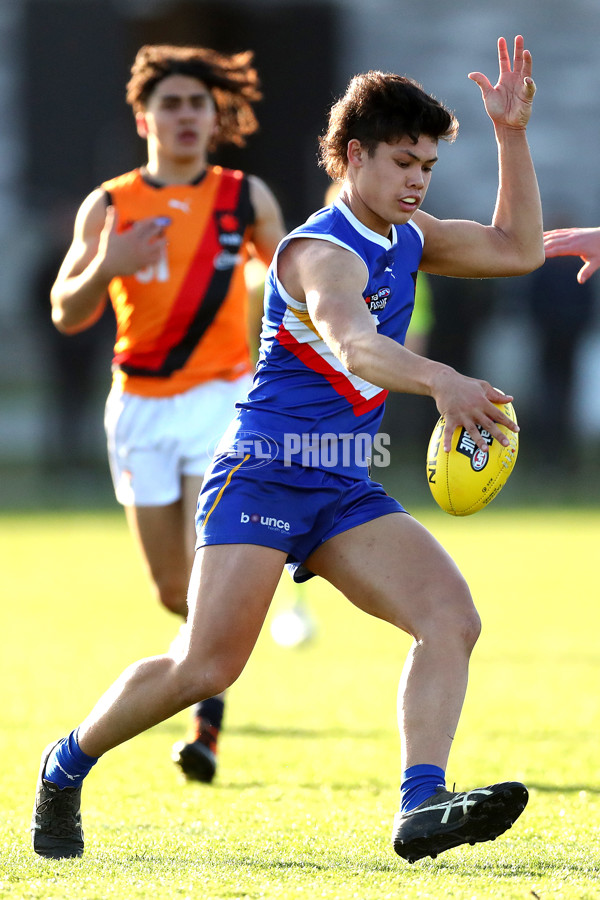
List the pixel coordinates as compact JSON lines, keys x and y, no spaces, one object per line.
{"x":76,"y":299}
{"x":518,"y":212}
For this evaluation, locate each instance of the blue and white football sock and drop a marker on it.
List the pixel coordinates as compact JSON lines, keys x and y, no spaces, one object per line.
{"x":68,"y":765}
{"x":418,"y":784}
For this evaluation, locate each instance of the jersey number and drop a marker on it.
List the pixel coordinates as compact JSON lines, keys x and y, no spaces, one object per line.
{"x":157,"y":272}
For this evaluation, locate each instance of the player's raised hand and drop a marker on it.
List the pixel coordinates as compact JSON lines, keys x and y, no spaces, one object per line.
{"x":508,"y":102}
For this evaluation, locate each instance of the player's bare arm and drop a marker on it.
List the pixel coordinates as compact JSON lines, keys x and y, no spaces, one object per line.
{"x":330,"y":279}
{"x":268,"y":228}
{"x":583,"y":242}
{"x":98,"y":254}
{"x":512,"y":244}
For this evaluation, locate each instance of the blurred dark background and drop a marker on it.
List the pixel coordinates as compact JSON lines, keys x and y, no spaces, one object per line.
{"x":65,"y":127}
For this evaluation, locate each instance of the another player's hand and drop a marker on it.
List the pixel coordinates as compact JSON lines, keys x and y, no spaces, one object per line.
{"x":583,"y":242}
{"x":127,"y":252}
{"x":508,"y":102}
{"x":468,"y":402}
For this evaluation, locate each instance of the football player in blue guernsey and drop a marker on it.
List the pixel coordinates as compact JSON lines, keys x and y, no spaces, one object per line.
{"x":290,"y":482}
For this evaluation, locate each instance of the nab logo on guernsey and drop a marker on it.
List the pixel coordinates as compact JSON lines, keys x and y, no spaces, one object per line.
{"x":271,"y":522}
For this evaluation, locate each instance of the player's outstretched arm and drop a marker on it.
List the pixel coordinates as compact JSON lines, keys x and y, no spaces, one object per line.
{"x":512,"y":244}
{"x":583,"y":242}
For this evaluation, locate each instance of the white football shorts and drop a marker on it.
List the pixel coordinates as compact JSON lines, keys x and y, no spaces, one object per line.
{"x":154,"y":441}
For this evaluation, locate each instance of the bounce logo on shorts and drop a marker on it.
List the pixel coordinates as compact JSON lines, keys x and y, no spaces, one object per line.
{"x":250,"y":447}
{"x":272,"y":523}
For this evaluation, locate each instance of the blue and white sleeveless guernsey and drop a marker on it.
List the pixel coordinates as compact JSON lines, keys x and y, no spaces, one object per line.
{"x":303,"y":399}
{"x":292,"y":469}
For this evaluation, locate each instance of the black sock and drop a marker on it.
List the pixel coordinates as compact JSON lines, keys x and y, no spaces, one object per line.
{"x":212,"y":710}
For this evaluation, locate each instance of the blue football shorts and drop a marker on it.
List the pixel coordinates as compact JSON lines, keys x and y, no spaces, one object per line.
{"x":291,"y":508}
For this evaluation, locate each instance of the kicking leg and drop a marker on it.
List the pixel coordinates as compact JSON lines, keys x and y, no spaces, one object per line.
{"x":394,"y":569}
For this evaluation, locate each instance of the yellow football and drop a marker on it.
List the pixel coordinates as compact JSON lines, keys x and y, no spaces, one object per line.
{"x":466,"y":479}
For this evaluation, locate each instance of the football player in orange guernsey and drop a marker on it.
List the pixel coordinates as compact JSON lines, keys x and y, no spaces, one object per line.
{"x":168,"y":243}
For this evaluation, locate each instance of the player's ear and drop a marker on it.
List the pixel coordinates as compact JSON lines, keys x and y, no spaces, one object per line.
{"x":355,"y":152}
{"x":141,"y":124}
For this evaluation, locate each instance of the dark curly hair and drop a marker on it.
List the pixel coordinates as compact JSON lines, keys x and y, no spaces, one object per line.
{"x":380,"y":107}
{"x":231,"y":79}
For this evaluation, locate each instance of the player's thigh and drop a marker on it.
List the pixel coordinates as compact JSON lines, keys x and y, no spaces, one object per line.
{"x":230,"y":592}
{"x":161,"y":536}
{"x":393,"y":568}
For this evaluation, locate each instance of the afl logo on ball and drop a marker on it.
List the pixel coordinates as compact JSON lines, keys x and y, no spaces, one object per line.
{"x":479,"y":461}
{"x":467,"y":446}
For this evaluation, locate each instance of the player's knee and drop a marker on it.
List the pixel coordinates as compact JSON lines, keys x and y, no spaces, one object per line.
{"x":199,"y":679}
{"x":470,"y":628}
{"x":452,"y":618}
{"x":462,"y":619}
{"x":194,"y":689}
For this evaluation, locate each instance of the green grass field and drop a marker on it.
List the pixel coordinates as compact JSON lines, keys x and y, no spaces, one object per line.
{"x":308,"y":783}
